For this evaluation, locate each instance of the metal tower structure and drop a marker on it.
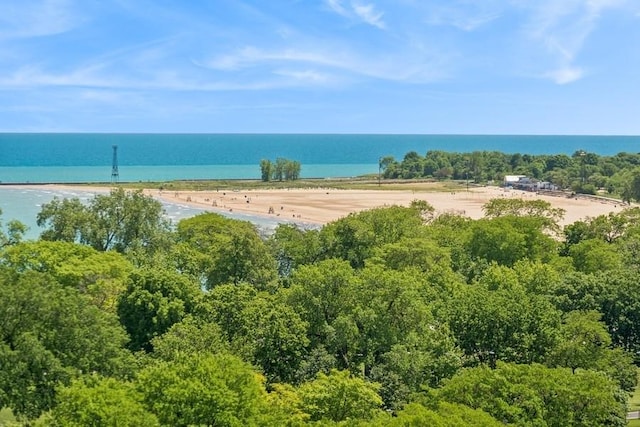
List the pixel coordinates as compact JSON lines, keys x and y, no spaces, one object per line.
{"x":115,"y":175}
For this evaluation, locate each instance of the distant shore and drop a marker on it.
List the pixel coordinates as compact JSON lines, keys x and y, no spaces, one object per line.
{"x":323,"y":205}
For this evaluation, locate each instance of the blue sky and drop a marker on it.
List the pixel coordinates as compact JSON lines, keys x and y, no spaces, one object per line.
{"x":321,"y":66}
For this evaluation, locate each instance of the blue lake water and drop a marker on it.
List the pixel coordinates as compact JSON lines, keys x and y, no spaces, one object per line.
{"x":156,"y":157}
{"x":66,"y":158}
{"x":24,"y":204}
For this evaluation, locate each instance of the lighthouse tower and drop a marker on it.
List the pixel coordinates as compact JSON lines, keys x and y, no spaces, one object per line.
{"x":115,"y":175}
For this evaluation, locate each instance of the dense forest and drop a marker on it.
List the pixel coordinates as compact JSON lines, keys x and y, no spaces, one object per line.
{"x":581,"y":172}
{"x":389,"y":317}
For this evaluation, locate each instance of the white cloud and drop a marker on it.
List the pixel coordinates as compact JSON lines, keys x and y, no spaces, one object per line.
{"x":562,"y":27}
{"x":337,"y":7}
{"x":407,"y":66}
{"x":369,"y":14}
{"x":250,"y":56}
{"x":464,"y":15}
{"x":34,"y":19}
{"x":358,"y":11}
{"x":565,"y":75}
{"x":308,"y":76}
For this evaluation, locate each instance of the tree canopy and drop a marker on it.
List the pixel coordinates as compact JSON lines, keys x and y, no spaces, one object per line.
{"x":392,"y":316}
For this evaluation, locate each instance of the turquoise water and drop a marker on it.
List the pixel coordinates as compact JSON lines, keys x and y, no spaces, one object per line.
{"x":24,"y":205}
{"x":204,"y":155}
{"x":65,"y":158}
{"x":70,"y":174}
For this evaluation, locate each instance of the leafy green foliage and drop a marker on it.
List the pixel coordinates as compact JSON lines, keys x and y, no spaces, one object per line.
{"x":594,"y":255}
{"x":293,"y":247}
{"x":276,"y":337}
{"x":583,"y":172}
{"x":155,"y":300}
{"x":354,"y":237}
{"x":14,"y":232}
{"x":266,"y":168}
{"x":496,"y":319}
{"x":225,"y":251}
{"x":101,"y":401}
{"x":285,"y":169}
{"x":203,"y":389}
{"x":584,"y":341}
{"x":122,"y":221}
{"x":367,"y":321}
{"x":536,"y":395}
{"x":51,"y":334}
{"x":537,"y":208}
{"x":339,"y":396}
{"x":189,"y":336}
{"x":444,"y":415}
{"x":508,"y":239}
{"x":100,"y":275}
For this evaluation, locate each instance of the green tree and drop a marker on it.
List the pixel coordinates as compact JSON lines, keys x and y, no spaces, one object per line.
{"x":338,"y":397}
{"x":609,"y":228}
{"x":282,"y":170}
{"x":617,"y":296}
{"x":65,"y":219}
{"x":413,"y":363}
{"x":278,"y":169}
{"x":155,"y":300}
{"x":508,"y":239}
{"x":496,"y":319}
{"x":225,"y":305}
{"x":412,"y":165}
{"x":100,"y":275}
{"x":265,"y":170}
{"x":189,"y":336}
{"x":49,"y":335}
{"x":293,"y":247}
{"x":276,"y":335}
{"x":121,"y":221}
{"x":322,"y":294}
{"x":244,"y":258}
{"x":419,"y":253}
{"x":536,"y":395}
{"x":205,"y":389}
{"x":388,"y":166}
{"x":444,"y":415}
{"x":577,"y":291}
{"x":585,"y":344}
{"x":99,"y":401}
{"x":633,"y":187}
{"x":376,"y":323}
{"x":541,"y":209}
{"x":259,"y":327}
{"x":390,"y":313}
{"x":354,"y":237}
{"x":593,"y":255}
{"x":584,"y":341}
{"x":14,"y":232}
{"x":292,"y":170}
{"x":224,"y":250}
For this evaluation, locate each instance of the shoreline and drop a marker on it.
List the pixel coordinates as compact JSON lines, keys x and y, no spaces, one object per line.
{"x":320,"y":206}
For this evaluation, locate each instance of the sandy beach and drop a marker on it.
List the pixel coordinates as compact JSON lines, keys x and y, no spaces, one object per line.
{"x":320,"y":206}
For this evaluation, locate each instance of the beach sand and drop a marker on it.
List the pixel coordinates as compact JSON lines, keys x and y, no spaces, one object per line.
{"x":320,"y":206}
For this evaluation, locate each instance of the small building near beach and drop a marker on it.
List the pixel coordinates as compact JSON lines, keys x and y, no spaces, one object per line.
{"x":522,"y":182}
{"x":511,"y":180}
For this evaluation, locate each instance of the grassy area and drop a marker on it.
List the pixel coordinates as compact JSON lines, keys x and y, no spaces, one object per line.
{"x":634,"y":403}
{"x":364,"y":183}
{"x":634,"y":399}
{"x":7,"y":418}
